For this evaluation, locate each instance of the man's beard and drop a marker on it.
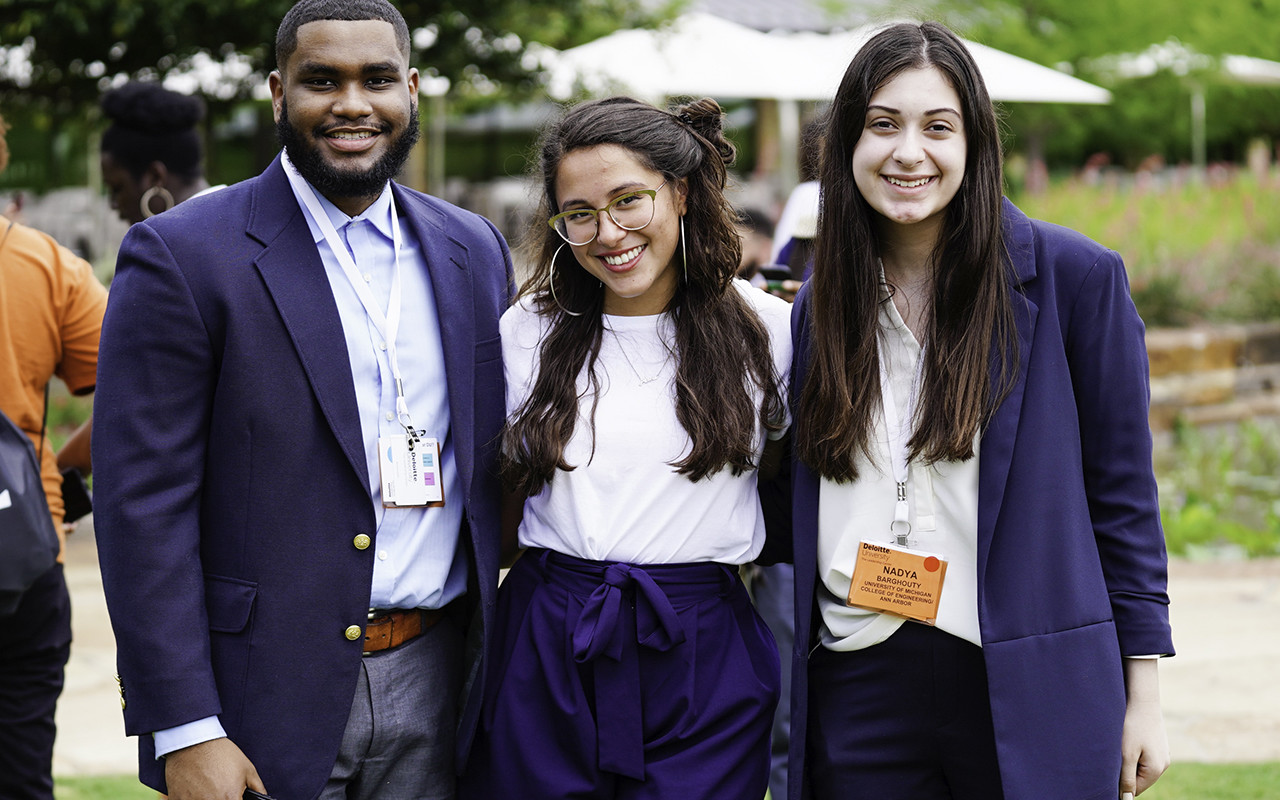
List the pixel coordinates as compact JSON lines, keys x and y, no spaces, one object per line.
{"x":333,"y":182}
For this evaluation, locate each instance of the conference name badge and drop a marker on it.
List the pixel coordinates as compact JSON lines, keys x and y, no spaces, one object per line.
{"x":897,"y":580}
{"x":409,"y":471}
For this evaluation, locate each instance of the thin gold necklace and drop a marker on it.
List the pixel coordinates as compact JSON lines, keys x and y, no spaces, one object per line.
{"x":622,"y":348}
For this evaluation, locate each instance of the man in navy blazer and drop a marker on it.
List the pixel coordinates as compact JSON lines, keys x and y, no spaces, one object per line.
{"x":278,"y":627}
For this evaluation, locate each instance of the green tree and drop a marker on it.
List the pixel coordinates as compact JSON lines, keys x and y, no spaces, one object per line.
{"x":1150,"y":115}
{"x":58,"y":56}
{"x":75,"y":47}
{"x":1073,"y":31}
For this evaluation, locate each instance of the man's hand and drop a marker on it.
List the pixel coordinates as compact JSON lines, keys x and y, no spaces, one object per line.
{"x":1144,"y":745}
{"x":212,"y":770}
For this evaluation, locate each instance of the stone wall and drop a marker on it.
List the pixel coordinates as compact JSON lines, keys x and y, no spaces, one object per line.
{"x":1214,"y":375}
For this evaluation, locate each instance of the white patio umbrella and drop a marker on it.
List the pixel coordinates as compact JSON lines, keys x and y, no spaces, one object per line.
{"x":701,"y":54}
{"x":696,"y":54}
{"x":1195,"y":68}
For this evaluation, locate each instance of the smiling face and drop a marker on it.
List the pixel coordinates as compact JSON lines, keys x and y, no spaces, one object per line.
{"x":345,"y":105}
{"x":638,"y":268}
{"x":909,"y":161}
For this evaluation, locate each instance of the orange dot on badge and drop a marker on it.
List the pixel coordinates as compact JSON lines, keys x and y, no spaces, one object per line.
{"x":932,"y":563}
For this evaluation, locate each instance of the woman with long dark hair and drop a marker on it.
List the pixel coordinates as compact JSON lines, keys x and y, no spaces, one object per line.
{"x":643,"y":385}
{"x":980,"y":569}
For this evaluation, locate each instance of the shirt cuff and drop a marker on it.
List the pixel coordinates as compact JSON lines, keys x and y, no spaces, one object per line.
{"x":176,"y":738}
{"x":1145,"y":658}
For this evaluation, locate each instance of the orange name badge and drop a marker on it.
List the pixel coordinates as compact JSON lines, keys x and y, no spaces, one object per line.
{"x":896,"y":580}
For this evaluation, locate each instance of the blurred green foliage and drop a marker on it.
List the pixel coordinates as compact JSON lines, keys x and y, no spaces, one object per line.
{"x":1196,"y":250}
{"x":75,"y":47}
{"x":1148,"y":116}
{"x":1220,"y":487}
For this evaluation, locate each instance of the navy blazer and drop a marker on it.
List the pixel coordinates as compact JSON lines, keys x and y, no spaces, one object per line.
{"x":231,"y":478}
{"x":1071,"y":557}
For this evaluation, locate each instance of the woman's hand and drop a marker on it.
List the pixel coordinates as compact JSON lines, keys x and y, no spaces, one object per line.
{"x":1144,"y":745}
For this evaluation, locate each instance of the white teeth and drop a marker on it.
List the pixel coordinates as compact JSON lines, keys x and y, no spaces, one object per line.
{"x":350,"y":135}
{"x":907,"y":184}
{"x":617,"y":261}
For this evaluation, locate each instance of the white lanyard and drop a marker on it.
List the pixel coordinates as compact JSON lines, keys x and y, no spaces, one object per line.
{"x":899,"y":431}
{"x":386,"y":324}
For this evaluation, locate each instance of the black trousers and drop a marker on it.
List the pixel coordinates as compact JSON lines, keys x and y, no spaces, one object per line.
{"x":35,"y":643}
{"x":906,"y":719}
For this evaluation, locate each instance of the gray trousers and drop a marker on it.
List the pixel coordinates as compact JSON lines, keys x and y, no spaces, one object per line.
{"x":773,"y":589}
{"x":399,"y":740}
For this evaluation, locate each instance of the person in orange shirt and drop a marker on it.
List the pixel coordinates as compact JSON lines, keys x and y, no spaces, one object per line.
{"x":51,"y":308}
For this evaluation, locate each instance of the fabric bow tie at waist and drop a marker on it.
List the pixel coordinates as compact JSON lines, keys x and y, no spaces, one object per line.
{"x":604,"y":628}
{"x":628,"y":609}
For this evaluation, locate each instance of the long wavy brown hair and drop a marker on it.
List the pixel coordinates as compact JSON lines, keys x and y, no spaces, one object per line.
{"x":971,"y":301}
{"x":722,"y":351}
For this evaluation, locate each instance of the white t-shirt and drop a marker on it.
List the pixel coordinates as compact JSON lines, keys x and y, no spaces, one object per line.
{"x":625,"y":502}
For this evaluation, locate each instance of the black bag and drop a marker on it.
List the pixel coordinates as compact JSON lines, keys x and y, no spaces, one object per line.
{"x":28,"y":542}
{"x":77,"y":500}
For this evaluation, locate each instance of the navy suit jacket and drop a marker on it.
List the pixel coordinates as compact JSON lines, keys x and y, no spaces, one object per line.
{"x":231,"y":477}
{"x":1071,"y":557}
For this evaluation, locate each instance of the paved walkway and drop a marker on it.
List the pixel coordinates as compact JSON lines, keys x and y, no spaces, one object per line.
{"x":1221,"y":696}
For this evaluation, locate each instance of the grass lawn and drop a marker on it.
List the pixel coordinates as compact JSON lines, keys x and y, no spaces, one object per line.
{"x":122,"y":787}
{"x":1181,"y":782}
{"x":1218,"y":782}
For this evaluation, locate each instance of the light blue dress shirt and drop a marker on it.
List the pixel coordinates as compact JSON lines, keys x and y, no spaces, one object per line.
{"x":418,"y":562}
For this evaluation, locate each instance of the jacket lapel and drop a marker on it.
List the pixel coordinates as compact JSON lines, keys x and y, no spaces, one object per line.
{"x":451,"y":284}
{"x":996,"y":455}
{"x":291,"y":268}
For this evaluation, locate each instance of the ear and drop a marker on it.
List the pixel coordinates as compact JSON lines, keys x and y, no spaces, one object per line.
{"x":413,"y":84}
{"x":682,"y":196}
{"x":276,"y":84}
{"x":156,"y":174}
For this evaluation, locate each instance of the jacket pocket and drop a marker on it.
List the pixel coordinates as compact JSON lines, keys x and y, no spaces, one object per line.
{"x":228,"y":601}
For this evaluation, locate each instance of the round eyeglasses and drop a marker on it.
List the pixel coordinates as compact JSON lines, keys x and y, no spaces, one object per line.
{"x":631,"y":212}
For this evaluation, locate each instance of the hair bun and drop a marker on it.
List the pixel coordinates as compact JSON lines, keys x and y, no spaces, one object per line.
{"x":705,"y":118}
{"x":151,"y":108}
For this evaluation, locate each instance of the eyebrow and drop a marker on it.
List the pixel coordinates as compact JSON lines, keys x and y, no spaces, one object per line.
{"x":321,"y":68}
{"x":931,"y":112}
{"x":614,"y":194}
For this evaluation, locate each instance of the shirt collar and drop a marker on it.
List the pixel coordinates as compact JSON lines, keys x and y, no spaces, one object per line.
{"x":378,"y":213}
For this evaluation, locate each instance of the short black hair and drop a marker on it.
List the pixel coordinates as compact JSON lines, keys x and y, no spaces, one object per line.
{"x":755,"y":220}
{"x":305,"y":11}
{"x":151,"y":123}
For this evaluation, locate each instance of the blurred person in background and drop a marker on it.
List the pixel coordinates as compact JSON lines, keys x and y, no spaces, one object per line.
{"x":756,"y":230}
{"x":152,"y":158}
{"x":51,"y":308}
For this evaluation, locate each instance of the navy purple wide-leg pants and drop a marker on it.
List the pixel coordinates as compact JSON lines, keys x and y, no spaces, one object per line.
{"x":626,"y":682}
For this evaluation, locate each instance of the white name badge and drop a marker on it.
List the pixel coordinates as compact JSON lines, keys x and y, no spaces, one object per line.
{"x":410,"y":475}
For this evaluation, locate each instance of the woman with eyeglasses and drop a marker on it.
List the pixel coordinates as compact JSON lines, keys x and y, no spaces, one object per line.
{"x":643,"y":396}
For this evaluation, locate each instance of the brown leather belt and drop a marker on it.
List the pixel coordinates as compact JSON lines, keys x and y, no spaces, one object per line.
{"x":388,"y":629}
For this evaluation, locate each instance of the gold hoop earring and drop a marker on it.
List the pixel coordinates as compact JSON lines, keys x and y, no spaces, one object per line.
{"x":149,"y":195}
{"x":552,"y":280}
